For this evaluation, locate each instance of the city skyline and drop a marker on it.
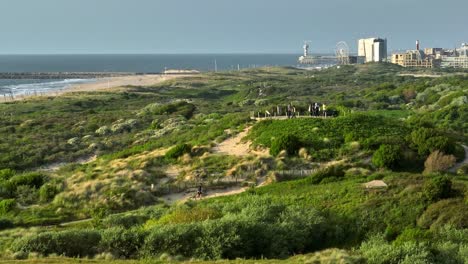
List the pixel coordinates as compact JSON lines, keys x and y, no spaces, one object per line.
{"x":209,"y":26}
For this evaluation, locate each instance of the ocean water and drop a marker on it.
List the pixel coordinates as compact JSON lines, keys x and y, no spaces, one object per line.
{"x":140,"y":63}
{"x":123,"y":63}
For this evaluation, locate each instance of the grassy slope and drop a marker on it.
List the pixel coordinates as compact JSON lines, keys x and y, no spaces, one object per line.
{"x":43,"y":128}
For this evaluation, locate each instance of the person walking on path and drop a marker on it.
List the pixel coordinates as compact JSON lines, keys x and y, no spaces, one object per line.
{"x":324,"y":109}
{"x":199,"y":191}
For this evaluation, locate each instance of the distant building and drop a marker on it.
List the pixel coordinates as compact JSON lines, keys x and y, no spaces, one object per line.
{"x":433,"y":51}
{"x":372,"y":49}
{"x":418,"y":58}
{"x":415,"y":58}
{"x":458,"y":59}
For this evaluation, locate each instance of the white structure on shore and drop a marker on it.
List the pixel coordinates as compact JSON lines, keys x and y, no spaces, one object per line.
{"x":372,"y":49}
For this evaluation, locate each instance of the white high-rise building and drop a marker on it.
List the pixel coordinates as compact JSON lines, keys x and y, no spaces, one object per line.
{"x":373,"y":49}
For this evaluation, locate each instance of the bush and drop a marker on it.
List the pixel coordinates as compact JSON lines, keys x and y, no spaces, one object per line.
{"x":122,"y":242}
{"x":32,"y":179}
{"x":172,"y":239}
{"x":445,"y":212}
{"x":70,"y":243}
{"x":177,"y":151}
{"x":438,"y":162}
{"x":26,"y":195}
{"x":6,"y":174}
{"x":47,"y":192}
{"x":377,"y":251}
{"x":289,"y":143}
{"x":7,"y":205}
{"x":412,"y":234}
{"x":387,"y":156}
{"x":183,"y":215}
{"x":463,"y":170}
{"x":437,"y":188}
{"x":125,"y":221}
{"x":427,"y":140}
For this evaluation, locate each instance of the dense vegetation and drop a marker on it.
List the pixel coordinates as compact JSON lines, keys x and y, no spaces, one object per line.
{"x":111,"y":158}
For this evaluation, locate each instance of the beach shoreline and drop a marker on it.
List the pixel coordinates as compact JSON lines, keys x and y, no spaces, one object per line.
{"x":101,"y":84}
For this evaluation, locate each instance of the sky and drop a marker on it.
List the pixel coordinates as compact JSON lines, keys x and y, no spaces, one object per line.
{"x":224,"y":26}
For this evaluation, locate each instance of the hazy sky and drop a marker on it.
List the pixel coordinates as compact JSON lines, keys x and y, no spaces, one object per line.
{"x":224,"y":26}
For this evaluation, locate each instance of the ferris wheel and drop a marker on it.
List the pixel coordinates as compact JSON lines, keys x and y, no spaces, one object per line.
{"x":342,"y":53}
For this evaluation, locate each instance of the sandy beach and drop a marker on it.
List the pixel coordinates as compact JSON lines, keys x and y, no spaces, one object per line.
{"x":103,"y":84}
{"x":115,"y":82}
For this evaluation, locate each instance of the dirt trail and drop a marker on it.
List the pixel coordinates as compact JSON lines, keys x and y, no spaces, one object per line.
{"x":185,"y":196}
{"x":236,"y":147}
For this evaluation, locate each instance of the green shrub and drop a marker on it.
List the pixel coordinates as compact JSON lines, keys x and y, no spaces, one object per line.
{"x":122,"y":242}
{"x":184,"y":215}
{"x":378,"y":251}
{"x":452,"y":212}
{"x":437,"y":188}
{"x":126,"y":221}
{"x":32,"y":179}
{"x":26,"y":195}
{"x":412,"y":234}
{"x":463,"y":170}
{"x":177,"y":151}
{"x":70,"y":243}
{"x":179,"y":239}
{"x":7,"y":205}
{"x":387,"y":156}
{"x":6,"y":174}
{"x":427,"y":140}
{"x":47,"y":192}
{"x":289,"y":143}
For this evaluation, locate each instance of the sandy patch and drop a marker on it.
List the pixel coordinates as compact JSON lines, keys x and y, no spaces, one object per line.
{"x":58,"y":165}
{"x":236,"y":147}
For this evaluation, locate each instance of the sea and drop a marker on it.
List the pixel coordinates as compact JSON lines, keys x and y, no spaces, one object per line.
{"x":123,"y":63}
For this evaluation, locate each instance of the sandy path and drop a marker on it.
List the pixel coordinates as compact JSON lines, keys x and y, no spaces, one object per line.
{"x":185,"y":196}
{"x":236,"y":147}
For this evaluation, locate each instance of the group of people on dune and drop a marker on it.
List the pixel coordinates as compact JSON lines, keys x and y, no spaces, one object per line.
{"x":315,"y":110}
